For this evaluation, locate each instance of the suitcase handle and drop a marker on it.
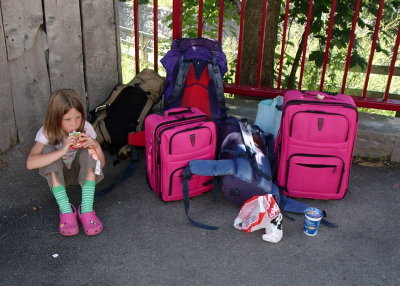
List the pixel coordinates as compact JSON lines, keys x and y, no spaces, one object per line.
{"x":178,"y":110}
{"x":320,"y":95}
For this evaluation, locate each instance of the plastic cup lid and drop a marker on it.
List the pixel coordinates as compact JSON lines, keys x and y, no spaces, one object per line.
{"x":314,"y":213}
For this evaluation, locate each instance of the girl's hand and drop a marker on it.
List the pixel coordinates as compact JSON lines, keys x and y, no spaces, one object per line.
{"x":88,"y":142}
{"x":68,"y":142}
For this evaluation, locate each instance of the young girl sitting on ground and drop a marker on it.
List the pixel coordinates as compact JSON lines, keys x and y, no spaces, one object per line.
{"x":66,"y":152}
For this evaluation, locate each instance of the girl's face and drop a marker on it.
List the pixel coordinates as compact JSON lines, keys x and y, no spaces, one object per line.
{"x":71,"y":120}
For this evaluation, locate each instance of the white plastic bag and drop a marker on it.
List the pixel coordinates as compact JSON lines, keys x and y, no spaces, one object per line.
{"x":269,"y":114}
{"x":261,"y":212}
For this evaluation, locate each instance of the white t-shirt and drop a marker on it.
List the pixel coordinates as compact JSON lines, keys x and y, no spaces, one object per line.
{"x":70,"y":156}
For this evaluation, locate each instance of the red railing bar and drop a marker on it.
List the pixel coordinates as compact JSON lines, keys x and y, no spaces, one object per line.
{"x":265,"y":92}
{"x":155,"y":37}
{"x":351,"y":43}
{"x":136,"y":33}
{"x":392,"y":64}
{"x":377,"y":103}
{"x":240,"y":47}
{"x":220,"y":20}
{"x":262,"y":39}
{"x":200,"y":19}
{"x":176,"y":19}
{"x":268,"y":92}
{"x":328,"y":44}
{"x":306,"y":33}
{"x":285,"y":22}
{"x":373,"y":47}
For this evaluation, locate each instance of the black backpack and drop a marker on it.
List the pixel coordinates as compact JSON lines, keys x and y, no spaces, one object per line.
{"x":125,"y":109}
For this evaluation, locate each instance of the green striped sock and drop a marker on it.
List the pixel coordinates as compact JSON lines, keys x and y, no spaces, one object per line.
{"x":87,"y":196}
{"x":61,"y":196}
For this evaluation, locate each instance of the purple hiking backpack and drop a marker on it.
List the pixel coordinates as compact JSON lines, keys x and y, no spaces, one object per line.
{"x":188,"y":62}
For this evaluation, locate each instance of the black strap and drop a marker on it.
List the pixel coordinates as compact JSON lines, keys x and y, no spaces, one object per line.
{"x":283,"y":197}
{"x":216,"y":77}
{"x":328,"y":223}
{"x":125,"y":174}
{"x":179,"y":82}
{"x":248,"y":141}
{"x":186,"y":177}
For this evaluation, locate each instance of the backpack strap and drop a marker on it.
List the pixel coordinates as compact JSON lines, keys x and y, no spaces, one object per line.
{"x":293,"y":206}
{"x":215,"y":75}
{"x":247,"y":136}
{"x":125,"y":174}
{"x":180,"y":81}
{"x":100,"y":114}
{"x":187,"y":175}
{"x":251,"y":148}
{"x":151,"y":100}
{"x":223,"y":167}
{"x":204,"y":168}
{"x":149,"y":81}
{"x":103,"y":136}
{"x":146,"y":109}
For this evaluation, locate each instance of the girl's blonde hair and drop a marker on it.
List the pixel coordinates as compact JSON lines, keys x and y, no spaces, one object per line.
{"x":61,"y":101}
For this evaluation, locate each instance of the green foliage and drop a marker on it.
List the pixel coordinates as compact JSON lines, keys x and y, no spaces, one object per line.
{"x":190,"y":11}
{"x":317,"y":38}
{"x":340,"y":36}
{"x":388,"y":113}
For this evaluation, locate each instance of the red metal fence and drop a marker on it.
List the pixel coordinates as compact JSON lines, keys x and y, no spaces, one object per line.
{"x":362,"y":100}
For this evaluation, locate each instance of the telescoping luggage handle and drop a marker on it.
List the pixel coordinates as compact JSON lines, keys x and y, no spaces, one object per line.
{"x":320,"y":95}
{"x":177,"y":111}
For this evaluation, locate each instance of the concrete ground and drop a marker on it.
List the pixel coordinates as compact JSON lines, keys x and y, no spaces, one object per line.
{"x":150,"y":242}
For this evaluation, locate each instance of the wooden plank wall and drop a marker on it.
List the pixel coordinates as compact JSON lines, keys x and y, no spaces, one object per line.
{"x":47,"y":45}
{"x":8,"y":131}
{"x":99,"y":38}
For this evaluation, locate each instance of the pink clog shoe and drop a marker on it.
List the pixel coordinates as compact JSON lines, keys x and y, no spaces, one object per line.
{"x":90,"y":223}
{"x":68,"y":223}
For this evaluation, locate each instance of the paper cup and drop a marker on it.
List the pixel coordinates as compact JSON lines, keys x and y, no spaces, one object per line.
{"x":312,"y":219}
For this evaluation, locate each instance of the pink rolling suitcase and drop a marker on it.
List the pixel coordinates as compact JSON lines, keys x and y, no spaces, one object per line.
{"x":172,"y":140}
{"x":315,"y":144}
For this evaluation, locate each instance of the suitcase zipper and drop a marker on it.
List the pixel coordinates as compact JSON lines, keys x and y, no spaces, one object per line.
{"x":186,"y":130}
{"x":299,"y":102}
{"x":319,"y":112}
{"x":315,"y":166}
{"x":157,"y":136}
{"x":318,"y":166}
{"x":170,"y":181}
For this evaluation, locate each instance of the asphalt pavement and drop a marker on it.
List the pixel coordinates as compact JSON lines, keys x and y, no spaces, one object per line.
{"x":150,"y":242}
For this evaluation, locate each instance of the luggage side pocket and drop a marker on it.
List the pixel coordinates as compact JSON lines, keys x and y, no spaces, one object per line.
{"x":197,"y":186}
{"x":312,"y":176}
{"x":319,"y":127}
{"x":189,"y":140}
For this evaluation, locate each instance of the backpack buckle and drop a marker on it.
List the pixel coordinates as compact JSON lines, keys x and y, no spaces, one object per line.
{"x":101,"y":107}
